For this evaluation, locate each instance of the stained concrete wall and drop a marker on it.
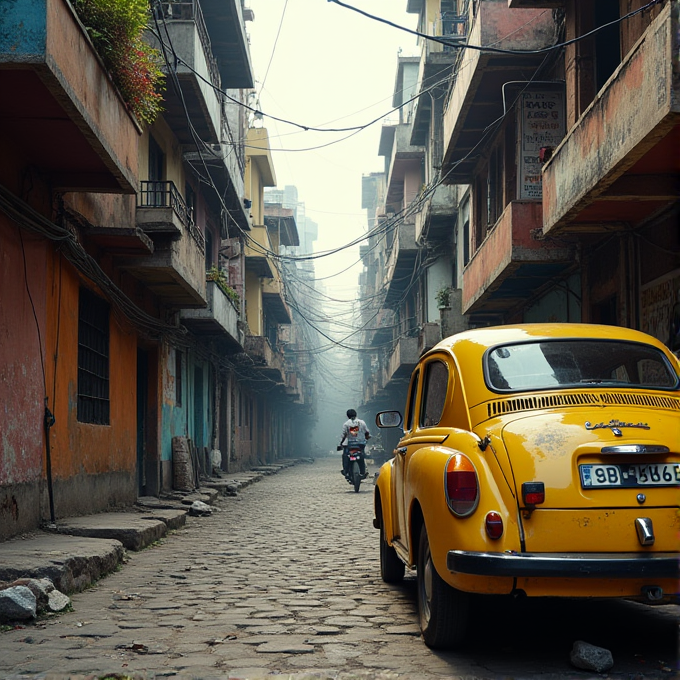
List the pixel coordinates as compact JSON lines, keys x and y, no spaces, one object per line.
{"x":22,"y":391}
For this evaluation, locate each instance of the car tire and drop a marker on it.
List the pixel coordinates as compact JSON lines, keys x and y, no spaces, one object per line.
{"x":443,"y":610}
{"x":391,"y":567}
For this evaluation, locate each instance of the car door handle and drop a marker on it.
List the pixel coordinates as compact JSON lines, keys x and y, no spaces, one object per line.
{"x":402,"y":449}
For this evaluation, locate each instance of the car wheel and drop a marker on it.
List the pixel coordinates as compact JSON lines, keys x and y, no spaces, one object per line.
{"x":443,"y":610}
{"x":391,"y":567}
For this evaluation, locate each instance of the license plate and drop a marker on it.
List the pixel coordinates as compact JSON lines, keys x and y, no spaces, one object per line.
{"x":603,"y":476}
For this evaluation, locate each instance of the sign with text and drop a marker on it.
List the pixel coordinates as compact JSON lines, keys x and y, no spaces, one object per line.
{"x":660,"y":310}
{"x":542,"y":125}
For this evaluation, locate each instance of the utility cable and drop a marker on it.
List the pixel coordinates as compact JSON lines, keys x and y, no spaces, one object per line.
{"x":495,"y":50}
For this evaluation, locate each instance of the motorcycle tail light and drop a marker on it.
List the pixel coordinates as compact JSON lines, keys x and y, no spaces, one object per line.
{"x":461,"y":485}
{"x":494,"y":525}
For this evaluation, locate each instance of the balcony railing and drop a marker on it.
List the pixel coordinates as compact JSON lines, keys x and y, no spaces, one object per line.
{"x":191,"y":11}
{"x":454,"y":28}
{"x":164,"y":194}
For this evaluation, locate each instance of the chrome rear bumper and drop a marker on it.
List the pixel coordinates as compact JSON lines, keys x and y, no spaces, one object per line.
{"x":565,"y":565}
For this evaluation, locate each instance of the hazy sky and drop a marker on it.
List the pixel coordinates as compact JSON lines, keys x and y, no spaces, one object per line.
{"x":330,"y":67}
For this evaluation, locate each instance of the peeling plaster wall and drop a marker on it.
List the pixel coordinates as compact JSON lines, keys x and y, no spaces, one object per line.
{"x":21,"y":380}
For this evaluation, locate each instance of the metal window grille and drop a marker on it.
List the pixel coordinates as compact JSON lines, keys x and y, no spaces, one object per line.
{"x":93,"y":359}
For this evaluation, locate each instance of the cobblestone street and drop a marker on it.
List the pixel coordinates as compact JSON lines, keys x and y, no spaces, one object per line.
{"x":284,"y":579}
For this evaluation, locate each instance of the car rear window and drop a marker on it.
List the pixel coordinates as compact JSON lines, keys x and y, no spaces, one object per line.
{"x":583,"y":363}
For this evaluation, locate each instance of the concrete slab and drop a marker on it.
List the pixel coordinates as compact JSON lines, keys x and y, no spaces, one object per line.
{"x":225,"y":487}
{"x":152,"y":502}
{"x":130,"y":528}
{"x":72,"y":563}
{"x":174,"y":518}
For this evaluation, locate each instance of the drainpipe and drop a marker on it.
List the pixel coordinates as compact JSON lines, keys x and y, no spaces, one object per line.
{"x":48,"y":423}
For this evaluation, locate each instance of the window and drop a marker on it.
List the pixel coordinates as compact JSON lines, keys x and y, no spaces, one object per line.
{"x":434,"y":393}
{"x":607,"y":40}
{"x":466,"y":243}
{"x":93,"y":359}
{"x":578,"y":363}
{"x":412,"y":402}
{"x":156,"y":185}
{"x":494,"y":187}
{"x":156,"y":160}
{"x":209,"y":261}
{"x":179,"y":360}
{"x":190,"y":200}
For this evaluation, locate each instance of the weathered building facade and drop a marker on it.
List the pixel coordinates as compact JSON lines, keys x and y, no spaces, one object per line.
{"x":125,"y":305}
{"x":556,"y":132}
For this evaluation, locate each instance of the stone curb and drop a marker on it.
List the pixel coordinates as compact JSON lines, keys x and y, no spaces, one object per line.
{"x":81,"y":550}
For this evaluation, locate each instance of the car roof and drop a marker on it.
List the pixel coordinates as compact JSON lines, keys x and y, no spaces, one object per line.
{"x":478,"y":340}
{"x":469,"y":346}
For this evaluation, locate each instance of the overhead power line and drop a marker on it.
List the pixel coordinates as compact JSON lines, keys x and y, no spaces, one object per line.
{"x":488,"y":48}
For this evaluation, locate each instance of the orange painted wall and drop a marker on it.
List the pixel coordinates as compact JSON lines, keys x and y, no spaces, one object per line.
{"x":81,"y":452}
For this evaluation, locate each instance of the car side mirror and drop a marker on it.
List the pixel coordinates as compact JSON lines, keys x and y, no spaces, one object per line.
{"x":389,"y":419}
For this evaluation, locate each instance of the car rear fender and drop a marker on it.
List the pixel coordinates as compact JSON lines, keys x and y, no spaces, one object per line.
{"x":382,"y":501}
{"x":426,"y":502}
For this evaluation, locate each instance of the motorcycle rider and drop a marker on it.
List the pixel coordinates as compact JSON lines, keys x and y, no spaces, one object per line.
{"x":354,"y":431}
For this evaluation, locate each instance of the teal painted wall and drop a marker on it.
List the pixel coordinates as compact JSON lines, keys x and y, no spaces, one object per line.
{"x":192,"y":417}
{"x":23,"y":29}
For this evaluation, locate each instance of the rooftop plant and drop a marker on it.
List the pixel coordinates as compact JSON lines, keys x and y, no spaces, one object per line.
{"x":116,"y":28}
{"x":443,"y":296}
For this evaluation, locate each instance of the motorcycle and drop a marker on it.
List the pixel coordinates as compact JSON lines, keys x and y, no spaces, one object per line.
{"x":355,"y":461}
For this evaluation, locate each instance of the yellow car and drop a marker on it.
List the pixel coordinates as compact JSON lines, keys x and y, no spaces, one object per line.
{"x":538,"y":459}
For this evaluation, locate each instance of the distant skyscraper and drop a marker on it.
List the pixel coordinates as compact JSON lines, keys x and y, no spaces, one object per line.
{"x":308,"y":230}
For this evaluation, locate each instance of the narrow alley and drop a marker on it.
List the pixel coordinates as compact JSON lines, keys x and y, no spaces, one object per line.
{"x":285,"y":579}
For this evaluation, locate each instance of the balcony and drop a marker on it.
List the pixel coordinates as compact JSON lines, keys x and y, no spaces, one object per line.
{"x":266,"y":360}
{"x":402,"y":159}
{"x":226,"y":163}
{"x":185,"y":35}
{"x":513,"y":262}
{"x":436,"y":63}
{"x":220,"y":318}
{"x":402,"y":361}
{"x":437,"y":218}
{"x":59,"y":109}
{"x":273,"y":301}
{"x":620,"y":164}
{"x":230,"y":43}
{"x":430,"y":334}
{"x":294,"y":388}
{"x":175,"y":271}
{"x":256,"y":252}
{"x":476,"y":99}
{"x":161,"y":209}
{"x":383,"y":323}
{"x":401,"y":261}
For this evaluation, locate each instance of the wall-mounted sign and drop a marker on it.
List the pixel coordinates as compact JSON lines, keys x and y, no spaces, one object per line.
{"x":541,"y":126}
{"x":660,"y":310}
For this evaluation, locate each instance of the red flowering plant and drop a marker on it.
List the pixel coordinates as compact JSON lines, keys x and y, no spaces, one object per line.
{"x":116,"y":28}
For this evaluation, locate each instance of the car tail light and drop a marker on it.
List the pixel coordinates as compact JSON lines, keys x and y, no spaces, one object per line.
{"x":461,"y":485}
{"x":494,"y":525}
{"x":533,"y":493}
